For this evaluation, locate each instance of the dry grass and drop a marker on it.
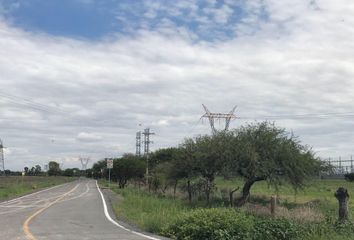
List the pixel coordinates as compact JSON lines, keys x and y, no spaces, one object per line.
{"x":299,"y":214}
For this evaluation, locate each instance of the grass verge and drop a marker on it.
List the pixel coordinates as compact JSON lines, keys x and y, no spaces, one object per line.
{"x":146,"y":210}
{"x":15,"y":186}
{"x":155,"y":213}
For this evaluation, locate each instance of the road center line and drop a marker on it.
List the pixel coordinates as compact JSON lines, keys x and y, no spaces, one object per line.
{"x":26,"y":229}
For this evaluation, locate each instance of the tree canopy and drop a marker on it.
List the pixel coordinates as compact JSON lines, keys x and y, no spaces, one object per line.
{"x":54,"y":168}
{"x":128,"y":167}
{"x":254,"y":152}
{"x":263,"y":151}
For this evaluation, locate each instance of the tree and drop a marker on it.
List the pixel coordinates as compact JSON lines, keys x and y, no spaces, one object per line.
{"x":161,"y":168}
{"x":184,"y":166}
{"x":37,"y":170}
{"x":99,"y":169}
{"x":262,"y":151}
{"x":69,"y":172}
{"x":127,"y":167}
{"x":211,"y":154}
{"x":32,"y":171}
{"x":161,"y":156}
{"x":54,"y":168}
{"x":26,"y":170}
{"x":161,"y":177}
{"x":204,"y":157}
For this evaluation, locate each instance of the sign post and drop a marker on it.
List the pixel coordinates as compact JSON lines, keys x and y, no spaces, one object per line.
{"x":109,"y":166}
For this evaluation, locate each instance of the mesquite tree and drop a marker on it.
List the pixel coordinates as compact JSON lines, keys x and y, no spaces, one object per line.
{"x":262,"y":151}
{"x":126,"y":168}
{"x":211,"y":155}
{"x":202,"y":157}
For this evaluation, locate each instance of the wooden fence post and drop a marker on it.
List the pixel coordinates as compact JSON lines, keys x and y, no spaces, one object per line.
{"x":273,"y":203}
{"x":343,"y":200}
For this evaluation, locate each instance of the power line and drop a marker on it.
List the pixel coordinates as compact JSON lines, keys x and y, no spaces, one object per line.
{"x":31,"y":104}
{"x":304,"y":116}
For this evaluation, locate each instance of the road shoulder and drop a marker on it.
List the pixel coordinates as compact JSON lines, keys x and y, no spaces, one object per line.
{"x":113,"y":198}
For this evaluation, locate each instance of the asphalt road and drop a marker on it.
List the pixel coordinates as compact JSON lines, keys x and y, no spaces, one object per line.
{"x":71,"y":211}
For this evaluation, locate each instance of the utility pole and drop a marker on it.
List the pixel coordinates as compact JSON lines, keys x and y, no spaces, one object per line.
{"x":212,"y":116}
{"x":147,"y":142}
{"x":2,"y":159}
{"x":138,"y":143}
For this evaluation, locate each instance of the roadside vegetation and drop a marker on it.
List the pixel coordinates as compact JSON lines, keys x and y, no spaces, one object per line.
{"x":221,"y":186}
{"x":14,"y":186}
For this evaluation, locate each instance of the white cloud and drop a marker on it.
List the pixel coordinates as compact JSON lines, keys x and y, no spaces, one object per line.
{"x":297,"y":61}
{"x":88,"y":137}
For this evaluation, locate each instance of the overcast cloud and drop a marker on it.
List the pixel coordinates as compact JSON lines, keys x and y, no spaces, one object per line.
{"x":296,"y":59}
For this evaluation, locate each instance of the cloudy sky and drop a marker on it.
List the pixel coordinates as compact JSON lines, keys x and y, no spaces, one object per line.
{"x":81,"y":77}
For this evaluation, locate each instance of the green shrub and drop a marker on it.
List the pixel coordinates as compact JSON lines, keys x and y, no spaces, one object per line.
{"x":276,"y":229}
{"x":211,"y":224}
{"x":349,"y":177}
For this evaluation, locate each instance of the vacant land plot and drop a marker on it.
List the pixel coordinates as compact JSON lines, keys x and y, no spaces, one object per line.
{"x":14,"y":186}
{"x":315,"y":205}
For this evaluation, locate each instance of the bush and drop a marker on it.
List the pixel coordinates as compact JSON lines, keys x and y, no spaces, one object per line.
{"x":211,"y":224}
{"x":349,"y":177}
{"x":276,"y":229}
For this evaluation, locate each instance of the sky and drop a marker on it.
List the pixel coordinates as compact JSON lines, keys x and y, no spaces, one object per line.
{"x":79,"y":78}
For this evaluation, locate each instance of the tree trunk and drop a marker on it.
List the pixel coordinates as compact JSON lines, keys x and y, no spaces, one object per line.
{"x":207,"y":191}
{"x":175,"y":188}
{"x":273,"y":204}
{"x":246,"y":190}
{"x":343,"y":200}
{"x":231,"y":196}
{"x":189,"y":190}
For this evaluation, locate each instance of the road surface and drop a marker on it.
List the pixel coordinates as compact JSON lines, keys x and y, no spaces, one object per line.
{"x":71,"y":211}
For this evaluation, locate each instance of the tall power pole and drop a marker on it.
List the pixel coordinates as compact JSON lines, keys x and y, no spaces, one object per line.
{"x":2,"y":160}
{"x":84,"y":163}
{"x":212,"y":116}
{"x":138,"y":144}
{"x":147,"y":143}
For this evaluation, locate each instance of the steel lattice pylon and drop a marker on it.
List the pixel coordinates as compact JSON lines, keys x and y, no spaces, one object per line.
{"x":212,"y":116}
{"x":84,"y":163}
{"x":2,"y":160}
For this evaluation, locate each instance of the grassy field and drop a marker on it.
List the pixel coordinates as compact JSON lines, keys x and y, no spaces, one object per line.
{"x":14,"y":186}
{"x":153,"y":213}
{"x":320,"y":192}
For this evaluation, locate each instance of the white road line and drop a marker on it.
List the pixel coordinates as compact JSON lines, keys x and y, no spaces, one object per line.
{"x":31,"y":194}
{"x":117,"y":224}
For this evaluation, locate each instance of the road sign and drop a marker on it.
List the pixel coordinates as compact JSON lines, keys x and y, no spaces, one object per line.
{"x":109,"y":163}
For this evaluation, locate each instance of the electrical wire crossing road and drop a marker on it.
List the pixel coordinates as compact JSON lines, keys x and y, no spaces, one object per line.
{"x":71,"y":211}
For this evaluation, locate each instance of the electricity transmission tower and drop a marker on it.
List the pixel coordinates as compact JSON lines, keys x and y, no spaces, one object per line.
{"x":212,"y":116}
{"x":147,"y":143}
{"x":84,"y":163}
{"x":138,"y":143}
{"x":2,"y":160}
